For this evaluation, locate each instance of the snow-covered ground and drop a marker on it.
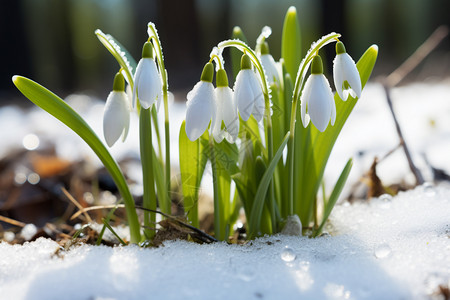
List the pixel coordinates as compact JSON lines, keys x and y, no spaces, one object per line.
{"x":388,"y":248}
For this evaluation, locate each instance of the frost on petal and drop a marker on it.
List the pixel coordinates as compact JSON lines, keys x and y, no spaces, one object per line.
{"x":200,"y":106}
{"x":116,"y":117}
{"x":243,"y":94}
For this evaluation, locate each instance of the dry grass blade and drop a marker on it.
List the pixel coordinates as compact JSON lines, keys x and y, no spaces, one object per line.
{"x":12,"y":221}
{"x":84,"y":210}
{"x":77,"y":204}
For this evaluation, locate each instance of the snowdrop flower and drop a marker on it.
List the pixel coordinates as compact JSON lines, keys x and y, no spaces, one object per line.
{"x":317,"y":98}
{"x":200,"y":105}
{"x":147,"y":81}
{"x":248,"y":91}
{"x":269,"y":64}
{"x":116,"y":117}
{"x":346,"y":76}
{"x":226,"y":110}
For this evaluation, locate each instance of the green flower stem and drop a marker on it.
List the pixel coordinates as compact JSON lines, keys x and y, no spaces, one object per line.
{"x":159,"y":55}
{"x":299,"y":83}
{"x":146,"y":148}
{"x":218,"y":213}
{"x":256,"y":62}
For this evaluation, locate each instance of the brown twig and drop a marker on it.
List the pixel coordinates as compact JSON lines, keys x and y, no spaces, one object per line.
{"x":12,"y":221}
{"x":75,"y":202}
{"x":417,"y":57}
{"x":399,"y":74}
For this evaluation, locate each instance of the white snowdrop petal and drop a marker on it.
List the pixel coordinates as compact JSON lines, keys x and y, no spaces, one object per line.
{"x":339,"y":76}
{"x":270,"y":67}
{"x":258,"y":108}
{"x":243,"y":94}
{"x":200,"y":106}
{"x":116,"y":117}
{"x":304,"y":102}
{"x":148,"y":84}
{"x":351,"y":74}
{"x":228,"y":112}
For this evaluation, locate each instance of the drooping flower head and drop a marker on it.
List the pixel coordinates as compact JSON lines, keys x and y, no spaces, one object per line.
{"x":269,"y":64}
{"x":226,"y":110}
{"x":116,"y":116}
{"x":248,"y":91}
{"x":147,"y":80}
{"x":346,"y":76}
{"x":201,"y":104}
{"x":317,"y":102}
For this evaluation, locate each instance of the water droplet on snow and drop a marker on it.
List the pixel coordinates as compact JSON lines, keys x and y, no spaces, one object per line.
{"x":246,"y":274}
{"x":385,"y":201}
{"x":288,"y":254}
{"x":382,"y":251}
{"x":428,"y":189}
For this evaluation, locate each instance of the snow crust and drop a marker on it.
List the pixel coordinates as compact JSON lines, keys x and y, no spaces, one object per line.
{"x":385,"y":249}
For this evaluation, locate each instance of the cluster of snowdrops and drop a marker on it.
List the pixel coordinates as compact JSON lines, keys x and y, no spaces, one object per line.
{"x":260,"y":158}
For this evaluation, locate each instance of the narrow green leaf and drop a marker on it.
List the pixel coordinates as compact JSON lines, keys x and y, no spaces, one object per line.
{"x":123,"y":57}
{"x":334,"y":195}
{"x":63,"y":112}
{"x":193,"y":159}
{"x":291,"y":50}
{"x":258,"y":204}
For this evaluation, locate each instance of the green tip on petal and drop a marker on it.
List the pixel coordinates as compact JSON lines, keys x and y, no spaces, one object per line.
{"x":340,"y":48}
{"x":147,"y":50}
{"x":221,"y":78}
{"x":316,"y":65}
{"x":119,"y":83}
{"x":208,"y":72}
{"x":265,"y":48}
{"x":246,"y":62}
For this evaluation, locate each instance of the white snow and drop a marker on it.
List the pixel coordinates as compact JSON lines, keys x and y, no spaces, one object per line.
{"x":395,"y":248}
{"x":388,"y":248}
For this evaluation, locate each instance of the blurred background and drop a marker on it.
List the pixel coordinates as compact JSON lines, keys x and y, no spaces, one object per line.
{"x":53,"y":41}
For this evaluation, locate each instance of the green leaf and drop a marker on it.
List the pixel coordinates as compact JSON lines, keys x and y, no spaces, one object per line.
{"x":258,"y":204}
{"x":123,"y":57}
{"x":193,"y":157}
{"x":334,"y":195}
{"x":63,"y":112}
{"x":291,"y":50}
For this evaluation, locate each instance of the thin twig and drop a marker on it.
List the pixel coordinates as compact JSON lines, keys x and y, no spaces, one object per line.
{"x":417,"y":57}
{"x":76,"y":203}
{"x":86,"y":209}
{"x":399,"y":74}
{"x":12,"y":221}
{"x":195,"y":229}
